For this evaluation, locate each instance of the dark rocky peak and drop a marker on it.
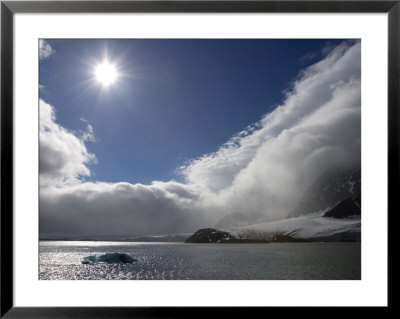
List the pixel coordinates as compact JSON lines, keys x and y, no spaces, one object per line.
{"x":328,"y":190}
{"x":345,"y":208}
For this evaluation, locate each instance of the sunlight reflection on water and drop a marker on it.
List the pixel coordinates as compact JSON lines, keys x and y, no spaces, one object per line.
{"x":159,"y":261}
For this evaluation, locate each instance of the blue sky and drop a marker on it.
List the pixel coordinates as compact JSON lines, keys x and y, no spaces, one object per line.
{"x":173,"y":101}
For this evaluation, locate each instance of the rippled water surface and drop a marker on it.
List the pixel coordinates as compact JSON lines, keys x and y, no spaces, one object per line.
{"x":62,"y":260}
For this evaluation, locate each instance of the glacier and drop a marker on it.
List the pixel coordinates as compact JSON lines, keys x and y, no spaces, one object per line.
{"x":309,"y":227}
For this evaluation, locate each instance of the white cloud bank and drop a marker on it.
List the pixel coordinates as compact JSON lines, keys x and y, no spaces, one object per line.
{"x":266,"y":168}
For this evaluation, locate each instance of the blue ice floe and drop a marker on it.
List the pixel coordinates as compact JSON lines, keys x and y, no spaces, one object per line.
{"x":110,"y":258}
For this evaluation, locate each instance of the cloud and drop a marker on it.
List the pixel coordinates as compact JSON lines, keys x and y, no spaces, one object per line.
{"x":312,"y":91}
{"x":265,"y":168}
{"x":103,"y":209}
{"x":88,"y":134}
{"x":69,"y":205}
{"x":63,"y":157}
{"x":45,"y":49}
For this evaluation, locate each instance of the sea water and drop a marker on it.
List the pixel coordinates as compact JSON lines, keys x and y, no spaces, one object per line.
{"x":62,"y":260}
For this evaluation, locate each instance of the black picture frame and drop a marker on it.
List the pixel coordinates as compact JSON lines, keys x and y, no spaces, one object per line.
{"x":9,"y":8}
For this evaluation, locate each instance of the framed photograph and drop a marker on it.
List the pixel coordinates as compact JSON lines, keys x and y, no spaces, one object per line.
{"x":159,"y":156}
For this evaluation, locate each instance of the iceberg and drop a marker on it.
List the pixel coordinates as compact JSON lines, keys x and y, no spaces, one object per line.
{"x":110,"y":258}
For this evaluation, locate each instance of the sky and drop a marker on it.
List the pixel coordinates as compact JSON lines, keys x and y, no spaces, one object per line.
{"x":190,"y":130}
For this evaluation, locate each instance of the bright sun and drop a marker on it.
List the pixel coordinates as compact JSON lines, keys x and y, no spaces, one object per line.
{"x":106,"y":73}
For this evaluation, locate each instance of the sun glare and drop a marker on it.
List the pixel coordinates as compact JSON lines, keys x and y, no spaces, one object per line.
{"x":106,"y":73}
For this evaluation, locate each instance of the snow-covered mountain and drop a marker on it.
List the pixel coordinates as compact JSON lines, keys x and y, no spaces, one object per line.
{"x":328,"y":190}
{"x":304,"y":228}
{"x":298,"y":229}
{"x":340,"y":223}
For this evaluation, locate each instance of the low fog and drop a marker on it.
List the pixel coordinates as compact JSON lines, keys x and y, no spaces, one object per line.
{"x":264,"y":169}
